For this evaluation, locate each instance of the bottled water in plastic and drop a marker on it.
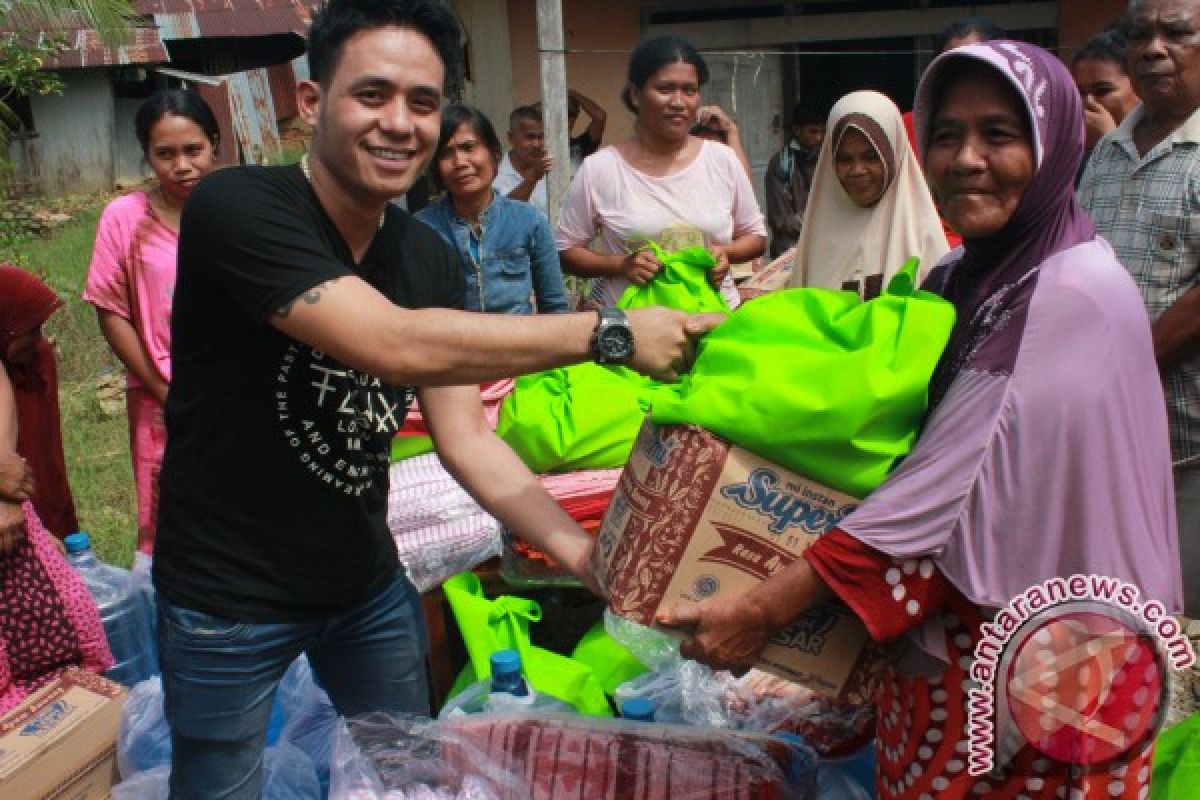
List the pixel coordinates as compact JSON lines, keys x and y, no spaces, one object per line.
{"x":639,"y":709}
{"x":121,"y":611}
{"x":508,"y":683}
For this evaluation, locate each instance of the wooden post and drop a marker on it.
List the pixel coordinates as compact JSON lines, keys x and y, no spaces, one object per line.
{"x":552,"y":62}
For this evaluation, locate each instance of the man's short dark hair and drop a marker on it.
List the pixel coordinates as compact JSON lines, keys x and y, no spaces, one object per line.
{"x":982,"y":27}
{"x":807,"y":114}
{"x":531,"y":113}
{"x":338,"y":20}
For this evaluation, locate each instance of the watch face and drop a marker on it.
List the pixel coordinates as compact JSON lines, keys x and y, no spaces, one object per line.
{"x":615,"y":343}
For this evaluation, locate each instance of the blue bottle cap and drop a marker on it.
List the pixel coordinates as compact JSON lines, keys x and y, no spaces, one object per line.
{"x":638,"y":708}
{"x":77,"y":542}
{"x":506,"y":662}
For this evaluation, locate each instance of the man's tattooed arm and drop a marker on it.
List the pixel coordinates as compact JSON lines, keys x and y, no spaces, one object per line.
{"x":310,"y":297}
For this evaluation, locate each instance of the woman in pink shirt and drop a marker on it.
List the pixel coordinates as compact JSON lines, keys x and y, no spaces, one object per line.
{"x":661,"y":184}
{"x":132,"y":275}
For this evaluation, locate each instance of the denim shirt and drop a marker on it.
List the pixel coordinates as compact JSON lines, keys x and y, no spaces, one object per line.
{"x":512,"y":259}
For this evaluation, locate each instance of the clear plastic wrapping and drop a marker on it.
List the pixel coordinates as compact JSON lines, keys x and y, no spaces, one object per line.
{"x":288,"y":774}
{"x":478,"y":698}
{"x":384,"y":757}
{"x":438,"y":527}
{"x":690,"y":693}
{"x":653,"y":648}
{"x":561,"y":757}
{"x":143,"y":738}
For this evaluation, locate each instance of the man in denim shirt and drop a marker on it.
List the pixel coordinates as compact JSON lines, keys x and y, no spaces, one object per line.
{"x":505,"y":246}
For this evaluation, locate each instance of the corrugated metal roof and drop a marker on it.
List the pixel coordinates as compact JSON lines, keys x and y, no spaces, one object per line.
{"x":164,"y":20}
{"x":87,"y":50}
{"x":195,"y":19}
{"x":84,"y":46}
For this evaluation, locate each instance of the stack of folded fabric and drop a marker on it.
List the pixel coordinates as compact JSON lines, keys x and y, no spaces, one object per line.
{"x":440,"y":530}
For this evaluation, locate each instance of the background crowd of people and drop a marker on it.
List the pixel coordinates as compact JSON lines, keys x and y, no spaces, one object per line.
{"x":1064,"y":427}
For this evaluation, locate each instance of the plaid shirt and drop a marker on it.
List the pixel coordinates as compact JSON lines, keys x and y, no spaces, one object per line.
{"x":1148,"y":208}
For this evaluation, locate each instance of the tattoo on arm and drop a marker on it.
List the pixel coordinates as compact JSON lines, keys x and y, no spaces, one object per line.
{"x":310,"y":297}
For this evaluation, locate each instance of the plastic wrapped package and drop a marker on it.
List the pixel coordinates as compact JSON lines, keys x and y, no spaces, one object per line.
{"x":690,"y":693}
{"x":302,"y":715}
{"x":523,"y":566}
{"x":653,"y":648}
{"x":434,"y":563}
{"x":150,"y":784}
{"x":309,"y":718}
{"x":143,"y":738}
{"x":438,"y":528}
{"x":576,"y":758}
{"x":288,"y":774}
{"x":478,"y":698}
{"x":831,"y":728}
{"x":686,"y":693}
{"x":559,"y":757}
{"x":382,"y":757}
{"x":143,"y":585}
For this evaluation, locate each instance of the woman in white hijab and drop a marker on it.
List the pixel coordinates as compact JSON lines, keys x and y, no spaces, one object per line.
{"x":869,"y":209}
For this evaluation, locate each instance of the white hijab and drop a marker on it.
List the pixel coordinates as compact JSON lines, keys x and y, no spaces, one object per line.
{"x":842,"y":242}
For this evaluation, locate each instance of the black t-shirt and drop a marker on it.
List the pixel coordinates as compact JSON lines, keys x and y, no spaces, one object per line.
{"x":274,"y":486}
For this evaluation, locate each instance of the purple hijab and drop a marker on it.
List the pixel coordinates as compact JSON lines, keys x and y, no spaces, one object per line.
{"x":992,"y":280}
{"x":1046,"y":453}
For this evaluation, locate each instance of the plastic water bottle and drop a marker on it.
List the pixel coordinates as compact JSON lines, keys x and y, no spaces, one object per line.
{"x":638,"y":709}
{"x":508,"y":682}
{"x":121,"y":612}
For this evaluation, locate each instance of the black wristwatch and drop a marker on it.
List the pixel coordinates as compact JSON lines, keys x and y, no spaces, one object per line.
{"x":612,"y":341}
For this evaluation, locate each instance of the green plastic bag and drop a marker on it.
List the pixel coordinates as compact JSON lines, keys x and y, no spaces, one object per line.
{"x":818,"y":381}
{"x":491,"y":625}
{"x":611,"y":661}
{"x":682,"y":283}
{"x":1177,"y":762}
{"x":587,"y":416}
{"x":580,"y":417}
{"x":410,"y":446}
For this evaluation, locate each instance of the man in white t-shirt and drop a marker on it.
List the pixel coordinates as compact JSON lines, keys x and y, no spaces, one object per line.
{"x":522,"y":173}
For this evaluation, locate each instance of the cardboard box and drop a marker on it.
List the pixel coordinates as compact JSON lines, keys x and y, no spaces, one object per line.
{"x":695,"y":517}
{"x":61,"y":743}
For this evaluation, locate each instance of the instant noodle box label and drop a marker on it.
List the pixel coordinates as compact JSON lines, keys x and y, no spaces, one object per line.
{"x":695,"y":517}
{"x":60,"y":743}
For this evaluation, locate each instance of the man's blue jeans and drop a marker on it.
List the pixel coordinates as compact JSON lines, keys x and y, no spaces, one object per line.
{"x":220,"y":676}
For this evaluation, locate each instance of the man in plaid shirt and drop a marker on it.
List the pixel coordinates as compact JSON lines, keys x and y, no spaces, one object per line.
{"x":1142,"y":187}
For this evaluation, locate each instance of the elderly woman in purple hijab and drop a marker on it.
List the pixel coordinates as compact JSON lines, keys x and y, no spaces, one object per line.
{"x":1044,"y":456}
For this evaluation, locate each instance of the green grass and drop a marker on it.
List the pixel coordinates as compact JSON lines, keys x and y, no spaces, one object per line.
{"x":96,"y":444}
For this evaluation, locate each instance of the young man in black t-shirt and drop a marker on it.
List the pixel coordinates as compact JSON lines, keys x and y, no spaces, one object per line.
{"x":308,"y":312}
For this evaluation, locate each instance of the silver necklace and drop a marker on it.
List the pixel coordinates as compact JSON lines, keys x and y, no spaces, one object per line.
{"x":308,"y":177}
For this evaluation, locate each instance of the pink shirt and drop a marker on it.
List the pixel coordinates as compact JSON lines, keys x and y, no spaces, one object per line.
{"x":625,"y":207}
{"x":133,"y":274}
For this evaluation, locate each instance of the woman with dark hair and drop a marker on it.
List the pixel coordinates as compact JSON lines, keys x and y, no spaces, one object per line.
{"x":505,"y":247}
{"x":132,"y":275}
{"x":1044,"y":459}
{"x":659,"y":185}
{"x":971,"y":29}
{"x":1104,"y":85}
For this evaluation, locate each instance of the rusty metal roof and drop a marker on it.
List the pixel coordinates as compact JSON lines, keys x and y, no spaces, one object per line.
{"x":87,"y":50}
{"x":84,"y":48}
{"x":197,"y":19}
{"x":164,"y":20}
